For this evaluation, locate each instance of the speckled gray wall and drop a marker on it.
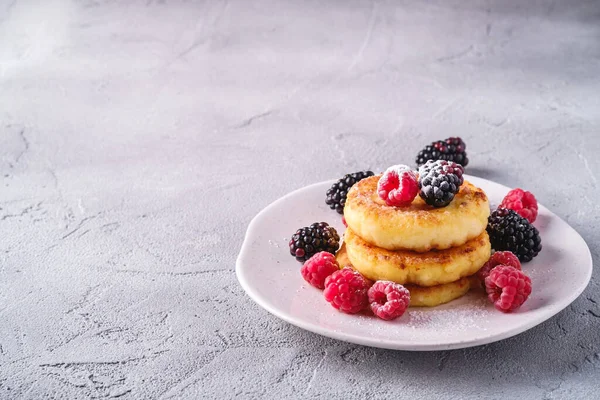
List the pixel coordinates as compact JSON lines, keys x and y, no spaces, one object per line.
{"x":139,"y":138}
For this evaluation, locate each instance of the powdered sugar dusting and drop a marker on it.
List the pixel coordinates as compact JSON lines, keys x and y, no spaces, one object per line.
{"x":469,"y":316}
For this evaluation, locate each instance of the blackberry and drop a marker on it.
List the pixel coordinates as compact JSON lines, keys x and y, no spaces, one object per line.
{"x":510,"y":232}
{"x":439,"y":181}
{"x":313,"y":239}
{"x":451,"y":149}
{"x":336,"y":195}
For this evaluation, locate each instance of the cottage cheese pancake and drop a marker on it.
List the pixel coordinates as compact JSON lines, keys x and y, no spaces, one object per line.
{"x":417,"y":227}
{"x":407,"y":267}
{"x":424,"y":296}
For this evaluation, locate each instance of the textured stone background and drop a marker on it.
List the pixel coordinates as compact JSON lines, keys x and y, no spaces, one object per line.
{"x":139,"y":138}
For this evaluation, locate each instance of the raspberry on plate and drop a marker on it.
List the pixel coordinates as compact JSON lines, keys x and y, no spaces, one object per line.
{"x":346,"y":290}
{"x":398,"y":186}
{"x":523,"y":202}
{"x":318,"y":268}
{"x":388,"y":300}
{"x":498,"y":258}
{"x":507,"y":288}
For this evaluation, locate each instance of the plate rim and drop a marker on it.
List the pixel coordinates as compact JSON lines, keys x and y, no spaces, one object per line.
{"x":389,"y":344}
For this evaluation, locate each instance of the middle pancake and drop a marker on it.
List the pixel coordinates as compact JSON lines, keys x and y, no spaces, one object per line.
{"x":431,"y":268}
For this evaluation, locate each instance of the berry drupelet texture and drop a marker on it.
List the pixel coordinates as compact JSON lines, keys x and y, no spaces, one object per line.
{"x":310,"y":240}
{"x":336,"y":195}
{"x":507,"y":287}
{"x":318,"y":268}
{"x":510,"y":232}
{"x":498,"y":258}
{"x":398,"y":186}
{"x":451,"y":149}
{"x":346,"y":290}
{"x":523,"y":202}
{"x":439,"y":181}
{"x":388,"y":300}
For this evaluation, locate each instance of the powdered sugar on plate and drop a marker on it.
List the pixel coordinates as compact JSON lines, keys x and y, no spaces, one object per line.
{"x":469,"y":316}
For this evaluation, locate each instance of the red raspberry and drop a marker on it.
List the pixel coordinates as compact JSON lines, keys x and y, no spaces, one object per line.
{"x":319,"y":267}
{"x":498,"y":258}
{"x":398,"y":186}
{"x":524,"y":203}
{"x":346,"y":290}
{"x":507,"y":288}
{"x":388,"y":300}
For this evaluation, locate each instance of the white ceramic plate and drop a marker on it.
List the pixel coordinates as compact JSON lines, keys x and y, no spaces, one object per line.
{"x":271,"y":277}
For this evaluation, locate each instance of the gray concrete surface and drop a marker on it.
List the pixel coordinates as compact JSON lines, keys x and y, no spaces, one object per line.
{"x":139,"y":138}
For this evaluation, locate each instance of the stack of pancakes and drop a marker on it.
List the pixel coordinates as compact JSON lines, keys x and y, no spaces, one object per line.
{"x":433,"y":252}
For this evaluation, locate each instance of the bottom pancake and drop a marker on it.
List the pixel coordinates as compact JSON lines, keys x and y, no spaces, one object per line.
{"x":423,"y":296}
